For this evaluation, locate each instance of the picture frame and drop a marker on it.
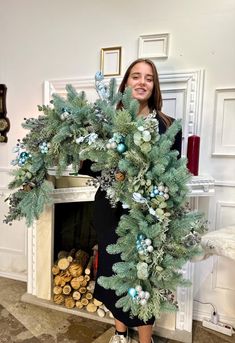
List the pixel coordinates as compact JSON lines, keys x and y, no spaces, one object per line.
{"x":154,"y":45}
{"x":110,"y":61}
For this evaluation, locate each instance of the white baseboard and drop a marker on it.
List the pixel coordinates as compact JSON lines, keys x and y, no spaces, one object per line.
{"x":14,"y":276}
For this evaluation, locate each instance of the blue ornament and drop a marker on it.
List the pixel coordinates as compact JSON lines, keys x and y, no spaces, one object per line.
{"x":24,"y":155}
{"x":121,"y":147}
{"x":99,"y":76}
{"x":44,"y":148}
{"x":156,"y":191}
{"x":132,"y":292}
{"x":141,"y":236}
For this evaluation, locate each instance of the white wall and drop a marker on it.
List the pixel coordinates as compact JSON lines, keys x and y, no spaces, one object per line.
{"x":43,"y":40}
{"x":58,"y":39}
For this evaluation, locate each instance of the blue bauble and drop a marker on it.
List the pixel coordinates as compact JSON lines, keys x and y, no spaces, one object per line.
{"x":99,"y":76}
{"x":141,"y":236}
{"x":156,"y":191}
{"x":132,"y":292}
{"x":121,"y":147}
{"x":24,"y":155}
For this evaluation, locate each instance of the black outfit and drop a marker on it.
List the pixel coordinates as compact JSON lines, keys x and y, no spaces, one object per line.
{"x":106,"y":220}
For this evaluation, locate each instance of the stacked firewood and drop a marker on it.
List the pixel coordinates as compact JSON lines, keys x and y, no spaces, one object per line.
{"x":73,"y":286}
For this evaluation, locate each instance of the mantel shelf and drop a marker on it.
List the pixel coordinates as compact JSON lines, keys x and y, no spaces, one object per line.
{"x":199,"y":186}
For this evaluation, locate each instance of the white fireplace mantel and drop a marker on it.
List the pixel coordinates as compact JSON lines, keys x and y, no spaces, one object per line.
{"x":40,"y":256}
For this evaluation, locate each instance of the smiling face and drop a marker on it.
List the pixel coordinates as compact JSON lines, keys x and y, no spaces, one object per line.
{"x":141,"y":81}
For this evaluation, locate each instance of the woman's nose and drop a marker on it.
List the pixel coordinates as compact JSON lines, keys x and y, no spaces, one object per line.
{"x":142,"y":80}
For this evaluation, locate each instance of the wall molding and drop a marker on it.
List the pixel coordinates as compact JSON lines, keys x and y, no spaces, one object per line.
{"x":218,"y":215}
{"x":225,"y":183}
{"x":184,"y":298}
{"x":5,"y":250}
{"x":14,"y":276}
{"x":154,"y":45}
{"x":223,"y":141}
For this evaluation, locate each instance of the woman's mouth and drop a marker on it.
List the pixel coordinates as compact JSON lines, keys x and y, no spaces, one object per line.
{"x":140,"y":90}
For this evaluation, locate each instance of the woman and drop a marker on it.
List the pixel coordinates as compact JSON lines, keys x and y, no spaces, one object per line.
{"x":142,"y":77}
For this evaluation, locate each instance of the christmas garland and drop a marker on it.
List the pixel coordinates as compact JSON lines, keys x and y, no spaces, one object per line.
{"x":138,"y":168}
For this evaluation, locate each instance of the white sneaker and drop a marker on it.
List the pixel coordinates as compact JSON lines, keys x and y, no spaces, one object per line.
{"x":120,"y":339}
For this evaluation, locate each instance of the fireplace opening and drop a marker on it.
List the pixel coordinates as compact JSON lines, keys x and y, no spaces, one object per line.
{"x":73,"y":227}
{"x":75,"y":258}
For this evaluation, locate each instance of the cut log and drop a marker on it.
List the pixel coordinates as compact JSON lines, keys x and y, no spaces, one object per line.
{"x":75,"y":269}
{"x":97,"y":302}
{"x":91,"y":286}
{"x":63,"y":263}
{"x":71,"y":255}
{"x":89,"y":295}
{"x":84,"y":301}
{"x":89,"y":266}
{"x":91,"y":307}
{"x":67,"y":289}
{"x":87,"y":278}
{"x":58,"y":299}
{"x":81,"y":278}
{"x":84,"y":283}
{"x":58,"y":281}
{"x":75,"y":283}
{"x":104,"y":308}
{"x":79,"y":304}
{"x":69,"y":302}
{"x":101,"y":313}
{"x":65,"y":275}
{"x":57,"y":290}
{"x":76,"y":295}
{"x":82,"y":290}
{"x":55,"y":269}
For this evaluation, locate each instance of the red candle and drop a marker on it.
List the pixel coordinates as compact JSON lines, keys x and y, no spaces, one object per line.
{"x":193,"y":154}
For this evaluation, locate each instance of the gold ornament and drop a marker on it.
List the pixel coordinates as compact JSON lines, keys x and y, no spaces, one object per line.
{"x":27,"y":188}
{"x":3,"y":124}
{"x":119,"y":176}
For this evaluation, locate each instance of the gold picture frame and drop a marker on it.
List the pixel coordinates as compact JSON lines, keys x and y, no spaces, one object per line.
{"x":110,"y":61}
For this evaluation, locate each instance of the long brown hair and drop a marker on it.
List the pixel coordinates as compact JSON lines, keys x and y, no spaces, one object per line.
{"x":155,"y":101}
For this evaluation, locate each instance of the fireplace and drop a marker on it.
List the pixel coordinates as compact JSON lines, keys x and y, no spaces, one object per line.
{"x":41,"y":254}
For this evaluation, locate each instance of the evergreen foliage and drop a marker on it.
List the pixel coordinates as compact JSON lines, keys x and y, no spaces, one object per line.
{"x":158,"y":234}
